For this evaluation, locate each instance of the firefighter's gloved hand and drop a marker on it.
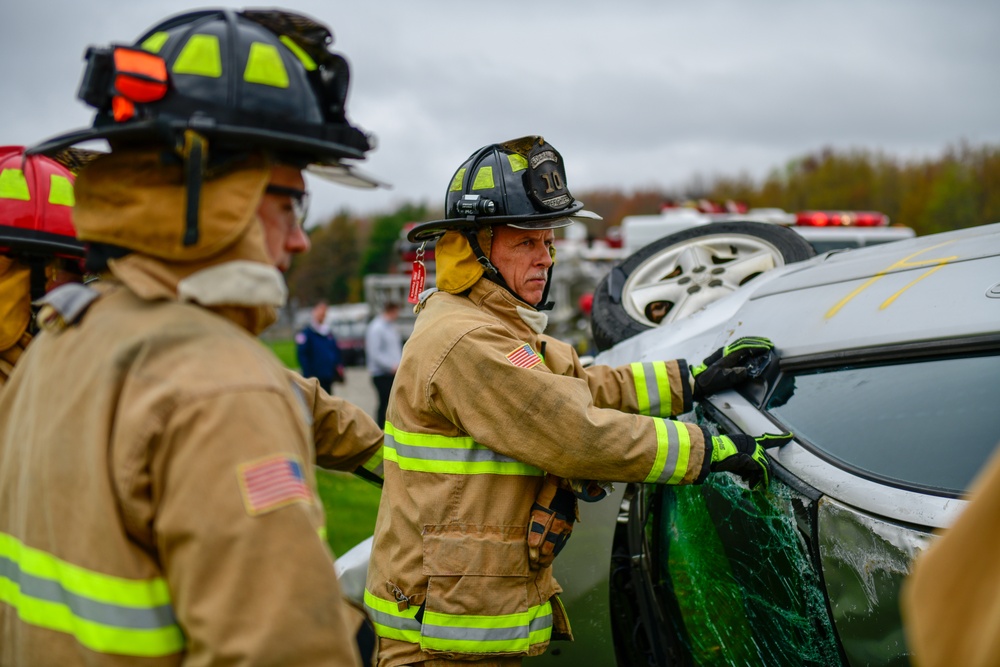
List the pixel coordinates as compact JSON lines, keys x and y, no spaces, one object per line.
{"x":731,"y":365}
{"x":744,"y":455}
{"x":552,"y":518}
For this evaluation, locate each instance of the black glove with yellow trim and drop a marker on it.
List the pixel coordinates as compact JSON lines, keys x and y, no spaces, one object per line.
{"x":552,"y":519}
{"x":744,"y":455}
{"x":731,"y":365}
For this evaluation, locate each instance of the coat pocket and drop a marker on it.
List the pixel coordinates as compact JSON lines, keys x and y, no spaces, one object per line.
{"x":488,"y":551}
{"x":479,"y":593}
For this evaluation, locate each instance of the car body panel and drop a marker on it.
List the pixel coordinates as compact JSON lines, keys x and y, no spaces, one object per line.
{"x":865,"y":560}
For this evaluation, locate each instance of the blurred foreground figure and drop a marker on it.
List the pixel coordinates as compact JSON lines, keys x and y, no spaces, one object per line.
{"x":38,"y":246}
{"x":951,"y":600}
{"x":159,"y":502}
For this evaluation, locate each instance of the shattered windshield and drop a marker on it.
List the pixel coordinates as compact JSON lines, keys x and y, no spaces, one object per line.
{"x":926,"y":424}
{"x":737,"y":569}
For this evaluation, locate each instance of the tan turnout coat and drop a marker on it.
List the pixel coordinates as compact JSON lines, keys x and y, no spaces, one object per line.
{"x":474,"y":419}
{"x":124,"y":514}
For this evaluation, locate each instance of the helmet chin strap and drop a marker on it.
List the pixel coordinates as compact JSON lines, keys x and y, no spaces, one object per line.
{"x":493,"y":274}
{"x":544,"y":304}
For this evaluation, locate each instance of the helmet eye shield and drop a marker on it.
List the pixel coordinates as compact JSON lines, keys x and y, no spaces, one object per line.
{"x":299,"y":200}
{"x":557,"y":223}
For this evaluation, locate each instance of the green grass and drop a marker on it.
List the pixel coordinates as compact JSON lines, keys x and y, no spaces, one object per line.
{"x":285,"y":350}
{"x":351,"y":504}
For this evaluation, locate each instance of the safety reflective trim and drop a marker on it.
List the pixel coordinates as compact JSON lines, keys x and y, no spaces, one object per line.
{"x":517,"y":162}
{"x":104,"y":613}
{"x":464,"y":633}
{"x":264,"y":66}
{"x":652,"y":388}
{"x":421,"y":452}
{"x":374,"y":464}
{"x":13,"y":185}
{"x":390,"y":622}
{"x":673,"y":448}
{"x":303,"y":57}
{"x":484,"y":179}
{"x":200,"y":56}
{"x":456,"y":182}
{"x":60,"y":191}
{"x":155,"y":42}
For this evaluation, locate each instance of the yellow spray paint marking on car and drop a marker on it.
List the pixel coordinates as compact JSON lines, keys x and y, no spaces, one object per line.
{"x":901,"y":264}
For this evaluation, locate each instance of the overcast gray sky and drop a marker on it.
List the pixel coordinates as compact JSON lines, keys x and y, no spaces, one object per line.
{"x":632,"y":93}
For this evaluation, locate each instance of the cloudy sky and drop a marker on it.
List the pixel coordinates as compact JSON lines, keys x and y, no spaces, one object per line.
{"x":632,"y":93}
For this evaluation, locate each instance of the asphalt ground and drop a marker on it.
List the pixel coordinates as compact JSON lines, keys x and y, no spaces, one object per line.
{"x":358,"y":389}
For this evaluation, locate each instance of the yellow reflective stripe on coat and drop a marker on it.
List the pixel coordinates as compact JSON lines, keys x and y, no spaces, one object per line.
{"x":673,"y":449}
{"x":465,"y":633}
{"x":390,"y":622}
{"x":106,"y":614}
{"x":374,"y":464}
{"x":652,"y":388}
{"x":461,"y":633}
{"x":461,"y":455}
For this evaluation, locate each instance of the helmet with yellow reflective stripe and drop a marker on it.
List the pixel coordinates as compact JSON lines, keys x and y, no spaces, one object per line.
{"x":36,"y":204}
{"x":242,"y":80}
{"x":520,"y":183}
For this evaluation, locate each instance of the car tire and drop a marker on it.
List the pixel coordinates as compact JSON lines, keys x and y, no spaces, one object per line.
{"x":681,"y":273}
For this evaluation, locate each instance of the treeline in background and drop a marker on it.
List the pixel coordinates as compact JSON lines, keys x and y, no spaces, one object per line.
{"x":961,"y":188}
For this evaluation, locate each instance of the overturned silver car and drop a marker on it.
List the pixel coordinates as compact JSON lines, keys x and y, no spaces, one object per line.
{"x":887,"y":369}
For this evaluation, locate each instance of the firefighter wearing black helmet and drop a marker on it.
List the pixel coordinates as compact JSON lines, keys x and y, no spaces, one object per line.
{"x":159,"y":502}
{"x":495,"y":429}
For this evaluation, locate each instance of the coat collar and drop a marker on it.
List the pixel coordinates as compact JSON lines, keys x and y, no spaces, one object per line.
{"x":516,"y":314}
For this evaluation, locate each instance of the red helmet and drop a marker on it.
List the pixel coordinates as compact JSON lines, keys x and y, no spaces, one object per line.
{"x":36,"y":205}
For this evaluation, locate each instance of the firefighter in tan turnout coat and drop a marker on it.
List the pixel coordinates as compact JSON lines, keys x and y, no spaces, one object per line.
{"x":493,"y":426}
{"x":158,"y":504}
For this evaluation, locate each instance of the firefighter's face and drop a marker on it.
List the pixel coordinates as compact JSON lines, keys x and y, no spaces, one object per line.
{"x":522,"y":258}
{"x":281,"y":217}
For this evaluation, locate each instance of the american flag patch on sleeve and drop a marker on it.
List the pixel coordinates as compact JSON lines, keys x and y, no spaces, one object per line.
{"x":524,"y":357}
{"x":267,"y":484}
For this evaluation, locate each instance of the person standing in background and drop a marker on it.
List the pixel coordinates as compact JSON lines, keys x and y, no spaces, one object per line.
{"x":383,"y":350}
{"x":317,"y":350}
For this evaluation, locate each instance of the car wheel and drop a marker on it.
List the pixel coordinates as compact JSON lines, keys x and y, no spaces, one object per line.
{"x":680,"y":274}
